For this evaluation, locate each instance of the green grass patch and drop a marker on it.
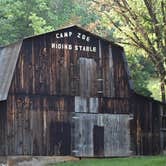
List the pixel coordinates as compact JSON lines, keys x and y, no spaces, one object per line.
{"x":132,"y":161}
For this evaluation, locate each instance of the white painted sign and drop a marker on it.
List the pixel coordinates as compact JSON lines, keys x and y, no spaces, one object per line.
{"x":75,"y":47}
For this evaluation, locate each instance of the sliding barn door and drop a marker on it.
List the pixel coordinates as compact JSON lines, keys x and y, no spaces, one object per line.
{"x":103,"y":135}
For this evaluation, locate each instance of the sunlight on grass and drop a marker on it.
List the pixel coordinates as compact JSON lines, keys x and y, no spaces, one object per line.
{"x":138,"y":161}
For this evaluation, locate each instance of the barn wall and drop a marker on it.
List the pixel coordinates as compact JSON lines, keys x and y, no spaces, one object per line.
{"x":163,"y":127}
{"x":102,"y":105}
{"x":3,"y":124}
{"x":146,"y":125}
{"x":156,"y":115}
{"x":114,"y":105}
{"x":121,"y":79}
{"x":39,"y":125}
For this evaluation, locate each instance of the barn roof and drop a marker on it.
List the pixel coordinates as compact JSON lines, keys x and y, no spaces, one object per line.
{"x":8,"y":59}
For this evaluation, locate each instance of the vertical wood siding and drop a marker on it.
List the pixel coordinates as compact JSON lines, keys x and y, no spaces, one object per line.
{"x":83,"y":104}
{"x":121,"y":78}
{"x":163,"y":127}
{"x":116,"y":135}
{"x":42,"y":69}
{"x":39,"y":125}
{"x":88,"y":77}
{"x":146,"y":125}
{"x":3,"y":125}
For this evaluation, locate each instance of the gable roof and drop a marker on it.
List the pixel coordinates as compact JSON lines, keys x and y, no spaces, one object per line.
{"x":78,"y":28}
{"x":8,"y":59}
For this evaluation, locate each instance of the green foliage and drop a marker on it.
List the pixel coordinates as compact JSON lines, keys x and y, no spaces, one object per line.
{"x":137,"y":161}
{"x":20,"y":18}
{"x":141,"y":71}
{"x":38,"y":24}
{"x":154,"y":87}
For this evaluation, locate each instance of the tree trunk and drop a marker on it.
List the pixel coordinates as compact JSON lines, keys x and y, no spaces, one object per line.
{"x":162,"y":86}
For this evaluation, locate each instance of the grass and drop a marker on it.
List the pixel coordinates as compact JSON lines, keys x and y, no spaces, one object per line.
{"x":136,"y":161}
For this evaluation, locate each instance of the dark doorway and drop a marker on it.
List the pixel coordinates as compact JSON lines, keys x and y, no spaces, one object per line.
{"x":98,"y":140}
{"x":66,"y":139}
{"x":60,"y":142}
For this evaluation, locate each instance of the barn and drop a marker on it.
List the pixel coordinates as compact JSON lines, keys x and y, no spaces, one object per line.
{"x":69,"y":92}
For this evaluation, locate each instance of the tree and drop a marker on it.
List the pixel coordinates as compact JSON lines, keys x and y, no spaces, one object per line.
{"x":20,"y":18}
{"x":141,"y":71}
{"x":141,"y":24}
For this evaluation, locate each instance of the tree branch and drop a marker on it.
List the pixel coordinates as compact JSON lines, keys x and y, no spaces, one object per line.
{"x":163,"y":10}
{"x":137,"y":28}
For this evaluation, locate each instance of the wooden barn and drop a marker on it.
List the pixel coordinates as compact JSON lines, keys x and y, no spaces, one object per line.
{"x":69,"y":92}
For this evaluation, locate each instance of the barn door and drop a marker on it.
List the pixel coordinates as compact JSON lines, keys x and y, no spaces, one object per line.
{"x":88,"y":77}
{"x":98,"y":140}
{"x":100,"y":135}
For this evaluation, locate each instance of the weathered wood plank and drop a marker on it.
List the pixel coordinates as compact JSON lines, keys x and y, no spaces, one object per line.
{"x":31,"y":123}
{"x":116,"y":134}
{"x":3,"y":126}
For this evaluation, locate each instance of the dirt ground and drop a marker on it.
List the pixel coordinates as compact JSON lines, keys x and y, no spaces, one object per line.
{"x":33,"y":160}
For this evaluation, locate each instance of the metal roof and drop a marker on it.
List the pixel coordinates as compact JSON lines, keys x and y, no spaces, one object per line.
{"x":8,"y":59}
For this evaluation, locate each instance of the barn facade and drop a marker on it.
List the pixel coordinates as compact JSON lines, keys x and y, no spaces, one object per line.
{"x":69,"y":92}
